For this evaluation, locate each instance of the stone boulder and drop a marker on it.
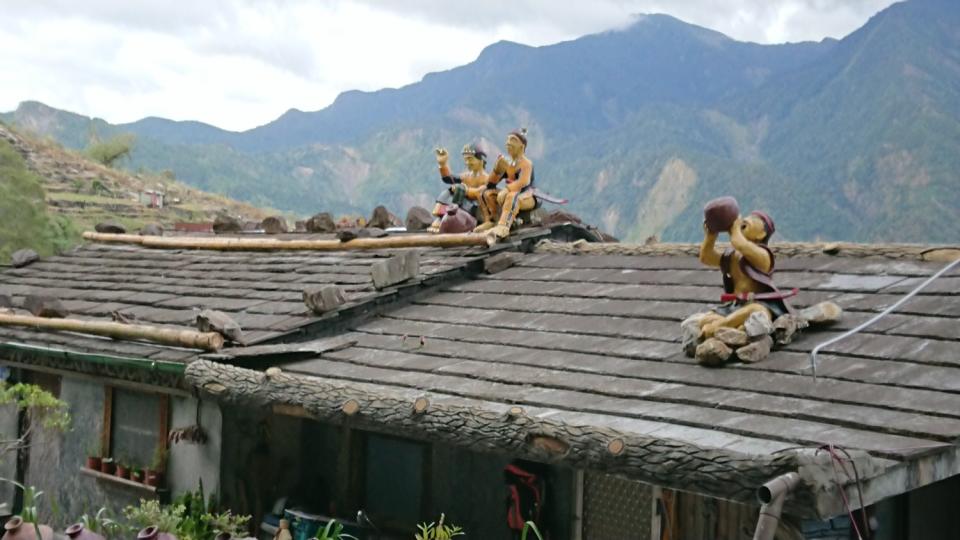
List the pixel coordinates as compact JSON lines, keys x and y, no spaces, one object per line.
{"x":227,"y":224}
{"x":345,"y":235}
{"x":323,"y":298}
{"x":151,"y":229}
{"x":396,"y":269}
{"x":321,"y":223}
{"x":45,"y":306}
{"x":110,"y":227}
{"x":383,"y":219}
{"x":690,"y":333}
{"x":23,"y":257}
{"x":274,"y":225}
{"x":731,"y":337}
{"x":713,"y":353}
{"x":755,"y":351}
{"x":418,"y":219}
{"x":758,"y":324}
{"x":210,"y":320}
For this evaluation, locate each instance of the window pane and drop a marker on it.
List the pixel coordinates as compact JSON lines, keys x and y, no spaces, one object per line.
{"x":394,"y":479}
{"x":136,"y":427}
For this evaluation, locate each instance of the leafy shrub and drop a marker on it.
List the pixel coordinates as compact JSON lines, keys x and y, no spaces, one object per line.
{"x":112,"y":150}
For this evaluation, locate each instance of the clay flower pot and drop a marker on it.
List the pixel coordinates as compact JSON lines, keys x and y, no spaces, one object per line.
{"x":77,"y":532}
{"x":123,"y":472}
{"x":94,"y":462}
{"x":17,"y":529}
{"x":136,"y":475}
{"x":151,"y":533}
{"x":153,"y":478}
{"x":719,"y":214}
{"x":107,"y":466}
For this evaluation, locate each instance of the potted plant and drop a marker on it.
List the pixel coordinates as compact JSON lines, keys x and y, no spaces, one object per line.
{"x":107,"y":465}
{"x":123,"y":468}
{"x":136,"y":473}
{"x":154,"y":474}
{"x":94,"y":461}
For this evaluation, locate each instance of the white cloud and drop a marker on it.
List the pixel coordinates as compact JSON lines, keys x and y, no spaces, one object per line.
{"x":241,"y":63}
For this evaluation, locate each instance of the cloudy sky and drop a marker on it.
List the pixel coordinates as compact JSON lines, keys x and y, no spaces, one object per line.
{"x":241,"y":63}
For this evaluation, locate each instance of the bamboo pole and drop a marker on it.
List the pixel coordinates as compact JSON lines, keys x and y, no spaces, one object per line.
{"x":208,"y":341}
{"x":270,"y":244}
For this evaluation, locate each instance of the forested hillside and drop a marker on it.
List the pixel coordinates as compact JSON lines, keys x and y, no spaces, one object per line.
{"x":856,"y":139}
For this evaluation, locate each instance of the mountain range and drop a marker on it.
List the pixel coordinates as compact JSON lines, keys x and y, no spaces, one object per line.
{"x":852,"y":139}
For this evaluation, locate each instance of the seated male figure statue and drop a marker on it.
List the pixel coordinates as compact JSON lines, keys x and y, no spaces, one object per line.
{"x":747,"y":273}
{"x":464,"y":190}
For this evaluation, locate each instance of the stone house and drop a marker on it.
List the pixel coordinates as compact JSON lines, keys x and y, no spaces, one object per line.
{"x":411,"y":398}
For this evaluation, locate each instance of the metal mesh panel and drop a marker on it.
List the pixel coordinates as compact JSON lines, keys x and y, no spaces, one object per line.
{"x":615,"y":508}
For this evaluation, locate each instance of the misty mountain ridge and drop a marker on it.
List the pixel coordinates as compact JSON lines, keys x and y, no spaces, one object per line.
{"x":854,"y":139}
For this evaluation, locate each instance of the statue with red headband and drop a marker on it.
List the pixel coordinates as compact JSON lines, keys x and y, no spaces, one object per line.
{"x":747,"y":266}
{"x":754,"y":316}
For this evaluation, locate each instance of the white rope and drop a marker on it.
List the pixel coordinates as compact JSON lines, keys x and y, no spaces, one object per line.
{"x":911,"y":294}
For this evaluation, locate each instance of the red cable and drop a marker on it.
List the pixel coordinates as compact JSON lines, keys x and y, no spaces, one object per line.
{"x":835,"y":458}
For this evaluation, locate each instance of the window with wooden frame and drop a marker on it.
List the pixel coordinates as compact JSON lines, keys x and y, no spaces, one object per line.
{"x":135,"y":424}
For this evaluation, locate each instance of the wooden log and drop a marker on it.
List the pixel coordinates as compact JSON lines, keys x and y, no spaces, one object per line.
{"x":274,"y":244}
{"x":665,"y":462}
{"x":207,"y":341}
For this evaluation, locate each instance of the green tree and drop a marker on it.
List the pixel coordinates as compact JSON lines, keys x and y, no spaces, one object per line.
{"x":111,"y":150}
{"x":23,"y":211}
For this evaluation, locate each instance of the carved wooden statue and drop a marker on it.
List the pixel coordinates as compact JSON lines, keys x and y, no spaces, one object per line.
{"x":499,"y":208}
{"x":464,"y":190}
{"x":747,"y":266}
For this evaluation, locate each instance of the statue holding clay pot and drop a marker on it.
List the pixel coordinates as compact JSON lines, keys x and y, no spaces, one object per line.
{"x":747,"y":266}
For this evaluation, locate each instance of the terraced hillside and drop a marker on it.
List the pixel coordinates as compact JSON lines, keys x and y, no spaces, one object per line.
{"x":87,"y":193}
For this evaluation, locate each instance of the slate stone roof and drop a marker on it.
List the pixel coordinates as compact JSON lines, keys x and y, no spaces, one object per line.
{"x":262,"y":291}
{"x":593,"y":341}
{"x":584,"y":346}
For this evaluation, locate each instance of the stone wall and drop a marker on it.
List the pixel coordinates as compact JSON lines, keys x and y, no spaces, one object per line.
{"x":9,"y":430}
{"x":55,"y":460}
{"x":191,"y":463}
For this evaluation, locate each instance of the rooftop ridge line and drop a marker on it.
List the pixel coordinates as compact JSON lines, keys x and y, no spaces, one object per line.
{"x":919,"y":252}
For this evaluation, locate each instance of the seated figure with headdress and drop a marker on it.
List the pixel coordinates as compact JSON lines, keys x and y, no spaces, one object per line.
{"x":499,"y":207}
{"x":464,"y":190}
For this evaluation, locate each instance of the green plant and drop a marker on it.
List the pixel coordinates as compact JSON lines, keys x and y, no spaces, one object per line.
{"x":27,"y":222}
{"x":530,"y":526}
{"x":438,"y":531}
{"x":31,"y":495}
{"x":166,"y":518}
{"x":226,"y":522}
{"x":159,"y":461}
{"x":112,"y":150}
{"x":333,"y":531}
{"x":102,"y":523}
{"x":41,"y":408}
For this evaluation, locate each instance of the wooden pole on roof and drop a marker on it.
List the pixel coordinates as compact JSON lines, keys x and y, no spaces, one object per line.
{"x":192,"y":339}
{"x":271,"y":244}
